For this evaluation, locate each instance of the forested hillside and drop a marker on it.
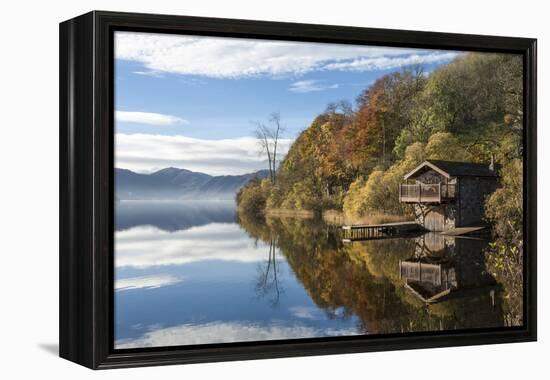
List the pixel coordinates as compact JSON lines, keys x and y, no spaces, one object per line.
{"x":353,"y":158}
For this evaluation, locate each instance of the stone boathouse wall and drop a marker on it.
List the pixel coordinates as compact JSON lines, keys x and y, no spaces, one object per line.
{"x":467,"y":209}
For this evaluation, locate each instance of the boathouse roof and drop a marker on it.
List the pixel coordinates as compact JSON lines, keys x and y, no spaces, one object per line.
{"x":454,"y":169}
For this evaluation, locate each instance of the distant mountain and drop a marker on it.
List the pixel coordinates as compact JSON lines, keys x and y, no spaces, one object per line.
{"x":174,"y":183}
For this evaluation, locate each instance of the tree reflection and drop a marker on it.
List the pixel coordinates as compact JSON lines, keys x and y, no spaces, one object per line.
{"x":267,"y":283}
{"x":505,"y":262}
{"x":363,"y":278}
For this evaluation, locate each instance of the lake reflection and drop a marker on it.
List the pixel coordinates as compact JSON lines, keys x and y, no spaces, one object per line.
{"x":181,"y":281}
{"x":197,"y":272}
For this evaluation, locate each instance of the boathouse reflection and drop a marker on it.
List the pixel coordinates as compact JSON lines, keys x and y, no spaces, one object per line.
{"x":442,"y":265}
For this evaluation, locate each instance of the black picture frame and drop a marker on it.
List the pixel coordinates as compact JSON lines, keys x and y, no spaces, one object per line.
{"x":86,"y":188}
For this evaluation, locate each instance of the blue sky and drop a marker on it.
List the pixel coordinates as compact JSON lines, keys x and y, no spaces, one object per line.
{"x":190,"y":102}
{"x":224,"y":108}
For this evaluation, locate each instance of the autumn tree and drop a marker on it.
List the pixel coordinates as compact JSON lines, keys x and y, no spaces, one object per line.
{"x":353,"y":158}
{"x":384,"y":109}
{"x":445,"y":146}
{"x":378,"y":194}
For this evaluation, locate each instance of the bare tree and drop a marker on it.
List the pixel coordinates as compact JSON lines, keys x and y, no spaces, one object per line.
{"x":275,"y":119}
{"x":268,"y":136}
{"x":264,"y":140}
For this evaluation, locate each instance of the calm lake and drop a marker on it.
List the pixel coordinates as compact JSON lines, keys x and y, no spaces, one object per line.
{"x":198,"y":272}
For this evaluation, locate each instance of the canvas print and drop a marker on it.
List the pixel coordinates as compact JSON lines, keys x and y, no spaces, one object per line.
{"x":269,"y":190}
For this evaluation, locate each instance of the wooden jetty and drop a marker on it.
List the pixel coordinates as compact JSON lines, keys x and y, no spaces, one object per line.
{"x":378,"y":231}
{"x":459,"y":231}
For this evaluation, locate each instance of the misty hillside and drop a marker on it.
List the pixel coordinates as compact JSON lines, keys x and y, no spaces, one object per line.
{"x":173,"y":183}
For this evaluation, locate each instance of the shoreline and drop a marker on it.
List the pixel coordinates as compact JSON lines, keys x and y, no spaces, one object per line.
{"x":339,"y":218}
{"x":288,"y":213}
{"x":334,"y":217}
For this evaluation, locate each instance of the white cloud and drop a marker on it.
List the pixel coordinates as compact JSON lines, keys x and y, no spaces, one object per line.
{"x":147,"y":246}
{"x":150,"y":118}
{"x":146,"y":282}
{"x":387,"y":63}
{"x":236,"y":58}
{"x":149,"y":73}
{"x":147,"y":153}
{"x":226,"y":332}
{"x":310,"y":85}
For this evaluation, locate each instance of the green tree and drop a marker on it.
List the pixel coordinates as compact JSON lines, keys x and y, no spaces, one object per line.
{"x":253,"y":196}
{"x":378,"y":194}
{"x":444,"y":146}
{"x":504,"y":209}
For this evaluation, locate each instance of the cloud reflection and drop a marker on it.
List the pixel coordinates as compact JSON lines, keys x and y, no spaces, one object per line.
{"x":146,"y":282}
{"x":227,"y":332}
{"x":147,"y":246}
{"x":306,"y":312}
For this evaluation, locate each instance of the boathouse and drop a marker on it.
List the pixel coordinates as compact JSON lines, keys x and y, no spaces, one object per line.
{"x":448,"y":195}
